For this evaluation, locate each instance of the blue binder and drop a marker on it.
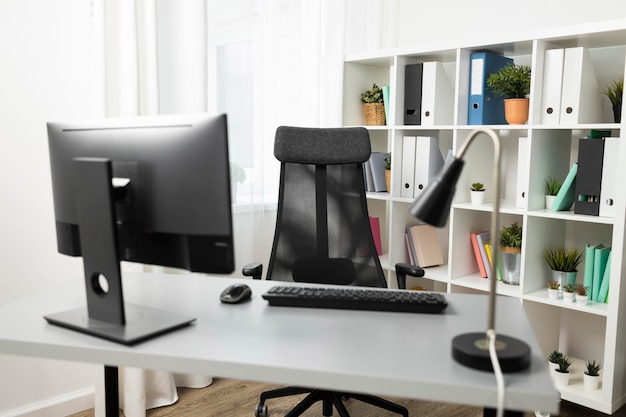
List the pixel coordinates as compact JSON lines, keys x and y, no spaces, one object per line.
{"x":485,"y":108}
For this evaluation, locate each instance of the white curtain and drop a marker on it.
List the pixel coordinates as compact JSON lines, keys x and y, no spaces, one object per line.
{"x":168,"y":56}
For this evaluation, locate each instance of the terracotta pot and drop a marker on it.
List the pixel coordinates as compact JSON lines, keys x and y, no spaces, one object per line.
{"x":516,"y":110}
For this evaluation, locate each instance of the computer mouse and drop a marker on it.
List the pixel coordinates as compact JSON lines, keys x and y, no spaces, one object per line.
{"x":236,"y":293}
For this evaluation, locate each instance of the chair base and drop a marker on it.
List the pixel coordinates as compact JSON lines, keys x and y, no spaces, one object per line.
{"x":330,"y":400}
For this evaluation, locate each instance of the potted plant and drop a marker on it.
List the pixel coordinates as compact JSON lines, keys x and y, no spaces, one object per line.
{"x":511,"y":250}
{"x":591,"y":377}
{"x":477,"y":193}
{"x":553,"y":186}
{"x":614,"y":92}
{"x":582,"y":295}
{"x":553,"y":290}
{"x":553,"y":359}
{"x":561,"y":373}
{"x":388,"y":172}
{"x":373,"y":106}
{"x":568,"y":293}
{"x":513,"y":83}
{"x":563,"y":262}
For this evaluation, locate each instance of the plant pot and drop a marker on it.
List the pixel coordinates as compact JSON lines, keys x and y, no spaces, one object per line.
{"x":561,"y":378}
{"x":552,"y":366}
{"x":553,"y":294}
{"x":516,"y":110}
{"x":617,"y":113}
{"x":568,"y":297}
{"x":591,"y":383}
{"x":549,"y":200}
{"x":374,"y":114}
{"x":478,"y":197}
{"x":388,"y":180}
{"x":581,"y":300}
{"x":511,"y":265}
{"x":564,"y":278}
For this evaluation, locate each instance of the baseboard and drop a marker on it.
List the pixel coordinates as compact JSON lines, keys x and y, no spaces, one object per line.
{"x":59,"y":406}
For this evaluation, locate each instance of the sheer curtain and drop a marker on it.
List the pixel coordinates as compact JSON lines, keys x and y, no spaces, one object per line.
{"x":264,"y":62}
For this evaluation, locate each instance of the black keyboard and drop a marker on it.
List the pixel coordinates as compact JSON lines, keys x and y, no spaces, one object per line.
{"x":356,"y":299}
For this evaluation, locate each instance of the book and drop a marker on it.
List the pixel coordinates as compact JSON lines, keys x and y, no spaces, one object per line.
{"x":377,"y":166}
{"x":599,"y":264}
{"x":426,"y":244}
{"x":409,"y":248}
{"x":478,"y":254}
{"x":606,"y":278}
{"x":483,"y":240}
{"x":375,"y":226}
{"x":491,"y":261}
{"x":385,"y":89}
{"x":590,"y":251}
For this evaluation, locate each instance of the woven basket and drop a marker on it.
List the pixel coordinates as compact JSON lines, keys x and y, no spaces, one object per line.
{"x":388,"y":180}
{"x":374,"y":114}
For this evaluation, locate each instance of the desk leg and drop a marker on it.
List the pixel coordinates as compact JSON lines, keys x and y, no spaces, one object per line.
{"x":111,"y":392}
{"x":491,"y":412}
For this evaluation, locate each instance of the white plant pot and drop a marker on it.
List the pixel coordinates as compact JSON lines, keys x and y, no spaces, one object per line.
{"x":553,"y":294}
{"x":568,"y":297}
{"x":552,"y":366}
{"x":478,"y":197}
{"x":561,"y":378}
{"x":581,"y":300}
{"x":591,"y":383}
{"x":549,"y":200}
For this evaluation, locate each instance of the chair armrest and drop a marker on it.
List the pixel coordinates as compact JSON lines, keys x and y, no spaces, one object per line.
{"x":402,"y":270}
{"x":253,"y":270}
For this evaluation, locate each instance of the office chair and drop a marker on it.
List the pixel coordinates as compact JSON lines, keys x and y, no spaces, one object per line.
{"x":323,"y":233}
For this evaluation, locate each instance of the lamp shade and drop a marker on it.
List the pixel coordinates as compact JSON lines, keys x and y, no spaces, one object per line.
{"x":433,"y":205}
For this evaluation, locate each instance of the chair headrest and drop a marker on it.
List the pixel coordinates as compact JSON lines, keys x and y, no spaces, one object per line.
{"x":327,"y":146}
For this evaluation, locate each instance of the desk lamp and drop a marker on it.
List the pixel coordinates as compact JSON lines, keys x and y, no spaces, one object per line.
{"x":433,"y":207}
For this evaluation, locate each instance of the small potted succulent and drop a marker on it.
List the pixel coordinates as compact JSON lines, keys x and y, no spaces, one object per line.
{"x":582,"y":295}
{"x":591,"y":377}
{"x":553,"y":186}
{"x":562,"y":373}
{"x":553,"y":359}
{"x":568,"y":293}
{"x":553,"y":290}
{"x":477,"y":191}
{"x":513,"y":83}
{"x":615,"y":92}
{"x":373,"y":106}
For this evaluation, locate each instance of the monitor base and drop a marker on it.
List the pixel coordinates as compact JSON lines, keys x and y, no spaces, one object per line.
{"x":142,"y":323}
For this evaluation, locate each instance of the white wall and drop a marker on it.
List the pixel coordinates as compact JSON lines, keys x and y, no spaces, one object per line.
{"x":446,"y":21}
{"x":45,"y":74}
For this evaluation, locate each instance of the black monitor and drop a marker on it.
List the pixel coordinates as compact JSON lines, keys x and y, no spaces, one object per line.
{"x":153,"y":190}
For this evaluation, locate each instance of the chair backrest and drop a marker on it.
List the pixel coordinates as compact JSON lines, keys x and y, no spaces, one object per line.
{"x":322,"y":230}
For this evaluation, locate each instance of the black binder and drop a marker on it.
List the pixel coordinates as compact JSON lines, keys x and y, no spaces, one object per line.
{"x":589,"y":176}
{"x":413,"y":94}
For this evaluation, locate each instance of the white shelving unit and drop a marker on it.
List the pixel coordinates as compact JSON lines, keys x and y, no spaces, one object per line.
{"x":583,"y":333}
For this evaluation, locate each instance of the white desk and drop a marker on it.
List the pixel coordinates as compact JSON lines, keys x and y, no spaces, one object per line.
{"x":397,"y":354}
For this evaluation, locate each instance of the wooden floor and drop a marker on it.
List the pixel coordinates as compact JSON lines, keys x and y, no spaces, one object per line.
{"x":234,"y":398}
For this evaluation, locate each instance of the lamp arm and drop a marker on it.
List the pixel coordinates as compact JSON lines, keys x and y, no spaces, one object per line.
{"x":495,"y":215}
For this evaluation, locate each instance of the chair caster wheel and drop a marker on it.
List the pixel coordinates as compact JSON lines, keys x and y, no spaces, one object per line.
{"x":261,"y":411}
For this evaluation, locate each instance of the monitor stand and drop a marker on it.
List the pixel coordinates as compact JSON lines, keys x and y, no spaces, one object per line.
{"x":106,"y":315}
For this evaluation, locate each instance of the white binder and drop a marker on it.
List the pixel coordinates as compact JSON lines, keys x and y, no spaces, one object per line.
{"x":408,"y":166}
{"x":552,"y":82}
{"x":580,"y":96}
{"x":523,"y":156}
{"x":608,"y":185}
{"x":428,"y":162}
{"x":437,"y":95}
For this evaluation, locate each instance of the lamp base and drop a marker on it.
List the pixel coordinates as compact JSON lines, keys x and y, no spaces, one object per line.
{"x":472,"y":350}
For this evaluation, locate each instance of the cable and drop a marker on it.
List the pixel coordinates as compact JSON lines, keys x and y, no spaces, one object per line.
{"x":491,"y":334}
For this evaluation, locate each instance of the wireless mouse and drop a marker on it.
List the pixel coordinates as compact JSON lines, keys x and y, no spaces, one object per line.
{"x":236,"y":293}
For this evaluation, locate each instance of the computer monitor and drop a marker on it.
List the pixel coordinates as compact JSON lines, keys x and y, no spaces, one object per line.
{"x":153,"y":190}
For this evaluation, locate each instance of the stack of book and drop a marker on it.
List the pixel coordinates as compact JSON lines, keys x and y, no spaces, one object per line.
{"x":422,"y":245}
{"x":597,"y":272}
{"x":374,"y":171}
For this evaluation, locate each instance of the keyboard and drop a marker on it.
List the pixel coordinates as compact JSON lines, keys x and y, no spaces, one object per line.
{"x":356,"y":299}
